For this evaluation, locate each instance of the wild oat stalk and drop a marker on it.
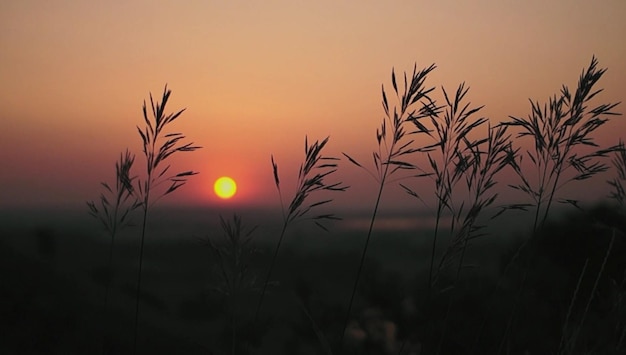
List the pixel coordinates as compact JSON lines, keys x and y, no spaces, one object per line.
{"x":117,"y":216}
{"x":455,"y":157}
{"x":232,"y":253}
{"x":480,"y":180}
{"x":562,"y":344}
{"x":484,"y":165}
{"x":394,"y":146}
{"x":619,"y":163}
{"x":559,"y":130}
{"x":311,"y":179}
{"x":563,"y":125}
{"x":572,"y":344}
{"x":158,"y":146}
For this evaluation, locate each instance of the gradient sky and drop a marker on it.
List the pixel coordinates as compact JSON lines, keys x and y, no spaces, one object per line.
{"x":257,"y":76}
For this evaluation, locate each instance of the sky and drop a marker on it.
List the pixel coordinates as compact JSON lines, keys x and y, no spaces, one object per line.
{"x":256,"y":77}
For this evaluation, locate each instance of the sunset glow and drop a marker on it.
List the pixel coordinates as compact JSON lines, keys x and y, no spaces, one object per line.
{"x":289,"y":177}
{"x":257,"y":77}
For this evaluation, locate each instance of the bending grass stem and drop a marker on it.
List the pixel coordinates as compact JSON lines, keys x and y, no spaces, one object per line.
{"x":434,"y":247}
{"x":593,"y":290}
{"x":139,"y":270}
{"x":269,"y":272}
{"x":363,"y":254}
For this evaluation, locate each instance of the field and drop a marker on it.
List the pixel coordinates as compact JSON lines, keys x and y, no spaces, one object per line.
{"x":54,"y":271}
{"x":465,"y":273}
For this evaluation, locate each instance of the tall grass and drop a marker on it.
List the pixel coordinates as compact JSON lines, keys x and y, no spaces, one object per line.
{"x":458,"y":156}
{"x":232,"y":253}
{"x":560,"y":129}
{"x":312,"y":179}
{"x":562,"y":132}
{"x":463,"y":160}
{"x":463,"y":169}
{"x":158,"y":147}
{"x":568,"y":346}
{"x":115,"y":215}
{"x":394,"y":146}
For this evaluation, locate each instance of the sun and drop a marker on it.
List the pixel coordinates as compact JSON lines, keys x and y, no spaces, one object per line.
{"x":225,"y":187}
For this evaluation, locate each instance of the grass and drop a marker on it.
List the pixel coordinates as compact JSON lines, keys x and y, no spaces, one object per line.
{"x":232,"y":254}
{"x":393,"y":147}
{"x":117,"y":215}
{"x":559,"y":129}
{"x":312,"y":179}
{"x":443,"y":153}
{"x":158,"y":147}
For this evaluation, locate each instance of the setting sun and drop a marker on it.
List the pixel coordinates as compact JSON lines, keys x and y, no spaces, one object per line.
{"x":225,"y":187}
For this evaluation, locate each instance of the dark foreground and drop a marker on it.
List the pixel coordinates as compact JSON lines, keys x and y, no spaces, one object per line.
{"x":196,"y":301}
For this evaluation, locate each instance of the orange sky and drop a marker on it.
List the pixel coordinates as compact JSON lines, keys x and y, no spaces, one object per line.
{"x":257,"y":76}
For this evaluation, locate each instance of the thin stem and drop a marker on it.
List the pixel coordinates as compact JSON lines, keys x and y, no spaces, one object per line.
{"x":146,"y":203}
{"x":512,"y":316}
{"x":139,"y":274}
{"x":552,"y":191}
{"x":571,"y":307}
{"x":363,"y":255}
{"x":432,"y":253}
{"x":109,"y":276}
{"x":269,"y":272}
{"x":593,"y":290}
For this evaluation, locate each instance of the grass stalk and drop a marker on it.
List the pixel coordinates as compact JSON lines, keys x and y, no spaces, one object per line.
{"x":392,"y":147}
{"x":361,"y":262}
{"x":593,"y":292}
{"x":312,"y":176}
{"x":559,"y":129}
{"x":158,"y":146}
{"x":480,"y":179}
{"x":116,"y":219}
{"x":232,"y":253}
{"x":269,"y":272}
{"x":561,"y":350}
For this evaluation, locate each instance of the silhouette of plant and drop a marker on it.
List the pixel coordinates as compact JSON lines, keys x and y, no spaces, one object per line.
{"x":558,"y":130}
{"x":109,"y":215}
{"x":461,"y":158}
{"x":115,"y":215}
{"x":456,"y":157}
{"x":311,"y":179}
{"x":394,"y":146}
{"x":158,"y":146}
{"x":232,"y":254}
{"x":480,"y":179}
{"x":568,"y":346}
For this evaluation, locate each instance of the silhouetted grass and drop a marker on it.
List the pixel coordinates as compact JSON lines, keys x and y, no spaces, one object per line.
{"x":394,"y":146}
{"x":559,"y":129}
{"x":158,"y":146}
{"x":115,"y":215}
{"x":464,"y":155}
{"x":312,"y":179}
{"x":233,"y":253}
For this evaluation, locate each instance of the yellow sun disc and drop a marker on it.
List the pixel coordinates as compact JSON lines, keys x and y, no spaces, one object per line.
{"x":225,"y":187}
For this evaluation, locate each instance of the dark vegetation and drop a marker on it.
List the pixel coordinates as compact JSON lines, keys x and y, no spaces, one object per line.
{"x":462,"y":287}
